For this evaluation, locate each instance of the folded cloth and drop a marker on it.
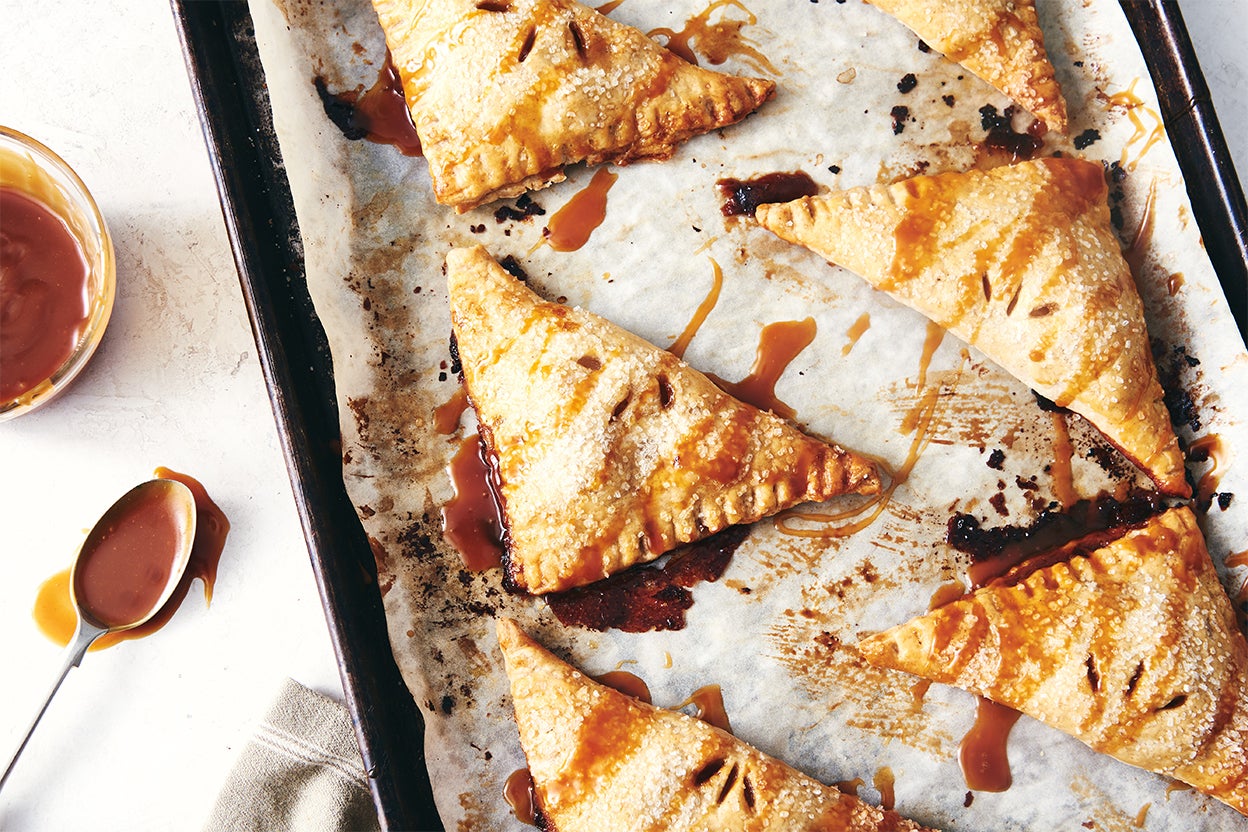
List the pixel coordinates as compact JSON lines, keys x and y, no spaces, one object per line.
{"x":300,"y":771}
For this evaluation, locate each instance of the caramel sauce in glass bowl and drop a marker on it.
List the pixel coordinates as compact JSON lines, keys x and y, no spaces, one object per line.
{"x":57,"y":274}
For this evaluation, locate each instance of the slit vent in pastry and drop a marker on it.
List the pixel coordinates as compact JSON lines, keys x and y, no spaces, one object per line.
{"x":1021,"y":262}
{"x":609,"y":450}
{"x":504,"y":94}
{"x":603,"y":760}
{"x":1133,"y":649}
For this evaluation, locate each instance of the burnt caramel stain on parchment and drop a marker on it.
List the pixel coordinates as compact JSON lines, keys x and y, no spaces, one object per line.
{"x":1101,"y":808}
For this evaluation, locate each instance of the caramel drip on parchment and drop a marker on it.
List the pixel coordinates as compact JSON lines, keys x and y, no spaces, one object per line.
{"x":1062,"y":469}
{"x":1134,"y":253}
{"x":681,"y":344}
{"x":1134,"y":106}
{"x":856,"y":331}
{"x":570,"y":227}
{"x":918,"y":421}
{"x":708,"y":706}
{"x":778,"y":344}
{"x":717,"y":41}
{"x":1210,"y":445}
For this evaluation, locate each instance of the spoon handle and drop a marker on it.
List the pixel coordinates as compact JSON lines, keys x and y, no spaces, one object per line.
{"x":84,"y":636}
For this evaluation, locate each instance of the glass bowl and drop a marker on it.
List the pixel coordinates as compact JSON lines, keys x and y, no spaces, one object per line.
{"x":32,"y":373}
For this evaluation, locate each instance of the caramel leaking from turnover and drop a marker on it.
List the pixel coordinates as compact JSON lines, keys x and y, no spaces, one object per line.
{"x":1133,"y":649}
{"x":601,"y":759}
{"x":505,"y":93}
{"x":1021,"y":262}
{"x":610,"y":450}
{"x":998,"y":40}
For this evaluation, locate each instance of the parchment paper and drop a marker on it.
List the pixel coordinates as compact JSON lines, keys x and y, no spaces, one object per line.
{"x":777,"y":631}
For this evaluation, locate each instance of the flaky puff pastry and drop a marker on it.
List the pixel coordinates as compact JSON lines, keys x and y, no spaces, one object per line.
{"x":602,"y":760}
{"x":1021,"y":261}
{"x":609,"y":450}
{"x":1133,"y":649}
{"x":998,"y":40}
{"x":504,"y":93}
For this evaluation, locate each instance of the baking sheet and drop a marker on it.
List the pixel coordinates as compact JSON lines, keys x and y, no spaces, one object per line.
{"x":373,"y":237}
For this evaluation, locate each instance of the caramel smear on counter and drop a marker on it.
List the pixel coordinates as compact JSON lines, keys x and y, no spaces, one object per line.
{"x":54,"y":609}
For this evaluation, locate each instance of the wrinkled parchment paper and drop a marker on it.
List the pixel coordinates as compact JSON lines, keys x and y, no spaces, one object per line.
{"x":777,"y":631}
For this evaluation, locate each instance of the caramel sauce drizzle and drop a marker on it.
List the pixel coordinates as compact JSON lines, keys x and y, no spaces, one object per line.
{"x":681,"y":344}
{"x":571,"y":226}
{"x":1062,"y":469}
{"x":1210,"y":446}
{"x":379,"y":114}
{"x":982,"y":755}
{"x":626,"y":683}
{"x":446,"y":416}
{"x":607,"y":8}
{"x":717,"y":41}
{"x":918,"y":421}
{"x":885,"y":783}
{"x":778,"y":345}
{"x":518,"y":792}
{"x":1143,"y":237}
{"x":472,"y":520}
{"x":1175,"y":283}
{"x":1133,"y":104}
{"x":856,"y":331}
{"x":708,"y":706}
{"x":54,"y":612}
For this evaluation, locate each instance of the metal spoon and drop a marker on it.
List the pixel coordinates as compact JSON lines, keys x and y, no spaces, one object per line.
{"x":181,"y":502}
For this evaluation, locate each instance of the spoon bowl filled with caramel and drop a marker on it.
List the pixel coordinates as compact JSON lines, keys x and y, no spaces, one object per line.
{"x":128,"y":567}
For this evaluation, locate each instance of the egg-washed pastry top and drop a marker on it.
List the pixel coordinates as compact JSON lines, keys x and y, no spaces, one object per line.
{"x":1022,"y":262}
{"x":998,"y":40}
{"x":602,"y":760}
{"x":505,"y":93}
{"x":1133,"y":649}
{"x":609,"y":450}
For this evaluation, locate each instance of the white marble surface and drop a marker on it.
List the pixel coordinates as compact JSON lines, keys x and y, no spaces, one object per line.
{"x":142,"y":735}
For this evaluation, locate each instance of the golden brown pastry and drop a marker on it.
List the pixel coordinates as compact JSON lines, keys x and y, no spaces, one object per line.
{"x":1133,"y":649}
{"x":998,"y":40}
{"x":611,"y":451}
{"x":504,"y":93}
{"x":602,"y":760}
{"x":1022,"y":262}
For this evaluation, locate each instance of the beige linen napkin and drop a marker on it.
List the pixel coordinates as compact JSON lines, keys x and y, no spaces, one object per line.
{"x":300,"y":771}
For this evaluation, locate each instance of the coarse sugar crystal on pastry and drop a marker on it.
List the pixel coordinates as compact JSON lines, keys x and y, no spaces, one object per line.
{"x":505,"y":93}
{"x":1022,"y":262}
{"x":602,"y":760}
{"x":998,"y":40}
{"x":1133,"y":648}
{"x":611,"y":451}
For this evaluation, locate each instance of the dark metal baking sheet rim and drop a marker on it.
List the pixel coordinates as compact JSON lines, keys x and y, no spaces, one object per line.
{"x":231,"y":95}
